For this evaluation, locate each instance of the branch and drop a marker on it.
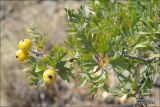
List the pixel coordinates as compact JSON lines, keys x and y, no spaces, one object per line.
{"x":37,"y":53}
{"x":149,"y":60}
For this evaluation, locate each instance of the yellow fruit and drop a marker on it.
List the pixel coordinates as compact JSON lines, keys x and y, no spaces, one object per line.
{"x":49,"y":76}
{"x":21,"y":55}
{"x":24,"y":44}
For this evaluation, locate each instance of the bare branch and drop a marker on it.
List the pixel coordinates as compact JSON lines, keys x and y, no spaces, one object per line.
{"x":149,"y":60}
{"x":37,"y":53}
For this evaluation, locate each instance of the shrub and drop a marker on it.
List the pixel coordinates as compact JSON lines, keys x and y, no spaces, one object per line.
{"x":119,"y":36}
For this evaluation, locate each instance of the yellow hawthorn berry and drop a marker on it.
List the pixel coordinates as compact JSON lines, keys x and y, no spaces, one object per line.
{"x":49,"y":76}
{"x":24,"y":44}
{"x":21,"y":55}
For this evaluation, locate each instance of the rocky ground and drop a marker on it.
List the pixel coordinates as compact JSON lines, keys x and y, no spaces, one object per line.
{"x":49,"y":17}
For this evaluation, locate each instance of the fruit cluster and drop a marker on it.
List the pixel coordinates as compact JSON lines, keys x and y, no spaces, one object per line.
{"x":22,"y":54}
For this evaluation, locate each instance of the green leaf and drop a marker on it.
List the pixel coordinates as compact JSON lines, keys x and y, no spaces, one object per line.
{"x":119,"y":62}
{"x":40,"y":66}
{"x":83,"y":82}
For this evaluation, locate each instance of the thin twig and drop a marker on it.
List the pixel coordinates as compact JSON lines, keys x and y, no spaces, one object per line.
{"x":37,"y":53}
{"x":149,"y":60}
{"x":143,"y":59}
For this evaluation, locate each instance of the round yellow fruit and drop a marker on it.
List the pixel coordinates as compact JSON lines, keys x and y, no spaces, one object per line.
{"x":21,"y":55}
{"x":49,"y":76}
{"x":24,"y":44}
